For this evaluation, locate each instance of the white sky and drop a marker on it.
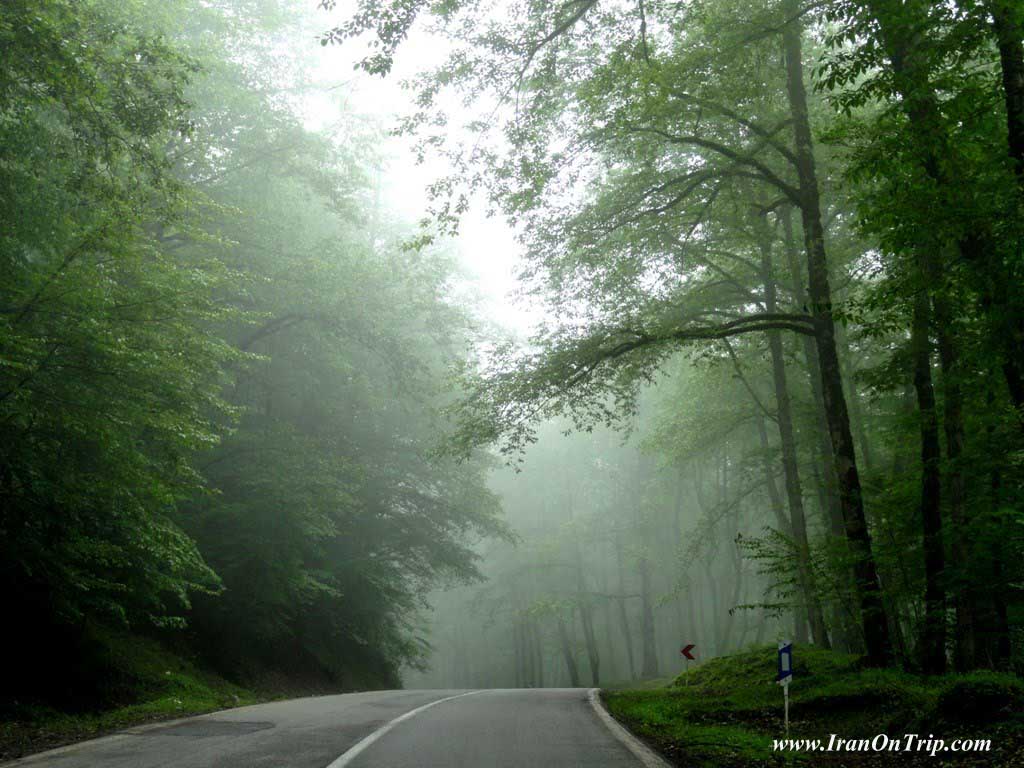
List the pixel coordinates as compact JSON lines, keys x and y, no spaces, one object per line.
{"x":486,"y":245}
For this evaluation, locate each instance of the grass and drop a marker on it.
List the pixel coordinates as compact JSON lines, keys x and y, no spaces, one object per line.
{"x":729,"y":711}
{"x":160,"y":684}
{"x":638,"y":685}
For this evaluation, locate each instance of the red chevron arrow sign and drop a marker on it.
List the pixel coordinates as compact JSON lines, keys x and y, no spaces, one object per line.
{"x":685,"y":651}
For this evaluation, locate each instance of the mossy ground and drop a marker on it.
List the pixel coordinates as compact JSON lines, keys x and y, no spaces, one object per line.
{"x":730,"y":709}
{"x":150,"y":684}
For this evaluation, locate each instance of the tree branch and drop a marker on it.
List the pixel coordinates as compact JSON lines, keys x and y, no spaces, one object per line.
{"x":766,"y":174}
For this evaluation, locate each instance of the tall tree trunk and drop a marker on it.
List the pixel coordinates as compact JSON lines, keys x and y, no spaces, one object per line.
{"x":799,"y":615}
{"x":737,"y":591}
{"x":704,"y":637}
{"x":762,"y":626}
{"x":933,"y":636}
{"x":790,"y":465}
{"x":648,"y":630}
{"x":716,"y":623}
{"x":899,"y":35}
{"x":692,"y":634}
{"x":650,"y":655}
{"x":829,"y":496}
{"x":587,"y":620}
{"x":846,"y":635}
{"x":627,"y":634}
{"x":774,"y":498}
{"x":856,"y":414}
{"x":606,"y":619}
{"x":953,"y":424}
{"x":1008,"y":25}
{"x":538,"y":652}
{"x":584,"y":603}
{"x":517,"y":640}
{"x":529,"y":659}
{"x":568,"y":653}
{"x":1003,"y":640}
{"x":682,"y":627}
{"x":872,"y":607}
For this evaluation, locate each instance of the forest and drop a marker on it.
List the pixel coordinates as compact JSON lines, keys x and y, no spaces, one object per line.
{"x":256,"y":418}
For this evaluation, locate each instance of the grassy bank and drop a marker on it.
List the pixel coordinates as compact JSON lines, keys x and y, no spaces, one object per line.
{"x":142,"y":682}
{"x":729,"y":711}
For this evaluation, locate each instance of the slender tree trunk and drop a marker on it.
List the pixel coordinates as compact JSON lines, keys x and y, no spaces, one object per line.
{"x":996,"y":649}
{"x":1008,"y":25}
{"x":568,"y":653}
{"x":920,"y":104}
{"x":873,"y":613}
{"x":587,"y":620}
{"x":774,"y":497}
{"x":762,"y":626}
{"x":531,"y":656}
{"x":606,"y":619}
{"x":846,"y":635}
{"x":799,"y":617}
{"x":856,"y":413}
{"x":1003,"y":640}
{"x":700,"y":613}
{"x":829,"y":497}
{"x":737,"y":591}
{"x":650,"y":655}
{"x":648,"y":629}
{"x":713,"y":623}
{"x":517,"y":639}
{"x":691,"y":635}
{"x":627,"y":634}
{"x":933,"y":636}
{"x":538,"y":651}
{"x":677,"y":536}
{"x":790,"y":462}
{"x":583,"y":602}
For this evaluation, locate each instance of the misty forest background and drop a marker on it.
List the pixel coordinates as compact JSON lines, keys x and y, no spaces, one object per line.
{"x":775,"y":387}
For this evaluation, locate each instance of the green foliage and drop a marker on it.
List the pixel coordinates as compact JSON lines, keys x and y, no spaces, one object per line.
{"x":110,"y":372}
{"x":221,"y":374}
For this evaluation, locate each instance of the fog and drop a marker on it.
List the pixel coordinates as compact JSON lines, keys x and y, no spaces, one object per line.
{"x":378,"y":344}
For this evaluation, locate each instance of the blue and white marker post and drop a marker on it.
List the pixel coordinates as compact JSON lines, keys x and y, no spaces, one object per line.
{"x":785,"y":675}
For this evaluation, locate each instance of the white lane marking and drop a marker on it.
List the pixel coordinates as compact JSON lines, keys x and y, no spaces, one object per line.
{"x":647,"y":756}
{"x":346,"y":758}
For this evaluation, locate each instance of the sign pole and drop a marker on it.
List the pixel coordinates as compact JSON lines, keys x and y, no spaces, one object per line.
{"x":685,"y":652}
{"x":785,"y":693}
{"x":785,"y":675}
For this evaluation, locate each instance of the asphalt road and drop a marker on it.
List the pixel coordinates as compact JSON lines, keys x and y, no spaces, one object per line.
{"x":523,"y":728}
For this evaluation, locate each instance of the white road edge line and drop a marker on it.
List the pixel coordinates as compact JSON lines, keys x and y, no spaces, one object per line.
{"x":641,"y":751}
{"x":346,"y":758}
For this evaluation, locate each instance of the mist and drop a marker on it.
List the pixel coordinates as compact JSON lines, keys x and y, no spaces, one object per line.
{"x":436,"y":349}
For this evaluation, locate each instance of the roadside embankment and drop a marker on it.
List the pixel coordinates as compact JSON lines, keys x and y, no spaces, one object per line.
{"x":730,"y":711}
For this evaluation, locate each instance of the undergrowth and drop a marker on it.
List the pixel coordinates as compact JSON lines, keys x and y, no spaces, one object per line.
{"x":727,"y":711}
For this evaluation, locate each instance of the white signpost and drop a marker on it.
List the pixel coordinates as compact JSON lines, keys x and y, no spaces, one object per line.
{"x":785,"y":674}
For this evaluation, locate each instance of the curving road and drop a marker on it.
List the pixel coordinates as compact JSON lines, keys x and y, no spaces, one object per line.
{"x":520,"y":728}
